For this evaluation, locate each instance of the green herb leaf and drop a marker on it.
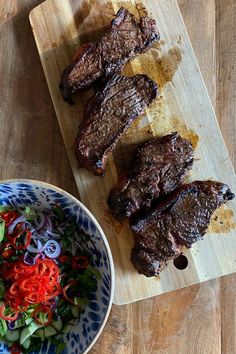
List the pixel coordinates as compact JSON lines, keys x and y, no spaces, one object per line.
{"x":4,"y":208}
{"x":2,"y":229}
{"x":87,"y":281}
{"x":95,"y":272}
{"x":59,"y":213}
{"x":81,"y":302}
{"x":58,"y":344}
{"x":3,"y":327}
{"x":30,"y":214}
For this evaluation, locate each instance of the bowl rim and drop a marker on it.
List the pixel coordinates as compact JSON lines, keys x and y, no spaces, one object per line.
{"x":92,"y":217}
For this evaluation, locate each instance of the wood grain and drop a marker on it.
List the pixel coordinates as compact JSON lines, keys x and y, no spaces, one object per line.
{"x":204,"y":301}
{"x":184,"y":107}
{"x":226,"y":112}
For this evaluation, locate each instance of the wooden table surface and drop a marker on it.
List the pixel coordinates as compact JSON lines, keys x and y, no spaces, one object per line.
{"x":199,"y":319}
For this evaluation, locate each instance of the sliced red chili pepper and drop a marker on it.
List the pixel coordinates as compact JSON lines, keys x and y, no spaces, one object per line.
{"x":9,"y":217}
{"x":48,"y":267}
{"x":7,"y":250}
{"x":22,"y":240}
{"x":14,"y":289}
{"x":16,"y":303}
{"x":54,"y":291}
{"x":65,"y":292}
{"x":46,"y":311}
{"x":63,"y":259}
{"x":8,"y":317}
{"x":30,"y":284}
{"x":80,"y":262}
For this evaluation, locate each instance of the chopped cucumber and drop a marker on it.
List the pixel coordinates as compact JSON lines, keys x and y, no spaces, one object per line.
{"x":63,"y":310}
{"x":40,"y":333}
{"x":81,"y":302}
{"x":28,"y":320}
{"x":28,"y":331}
{"x":57,"y":325}
{"x":67,"y":328}
{"x":26,"y":343}
{"x":49,"y":331}
{"x":75,"y":311}
{"x":12,"y":336}
{"x":60,"y":302}
{"x":19,"y":323}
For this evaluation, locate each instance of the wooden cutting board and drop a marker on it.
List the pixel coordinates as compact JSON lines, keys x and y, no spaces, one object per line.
{"x":59,"y":28}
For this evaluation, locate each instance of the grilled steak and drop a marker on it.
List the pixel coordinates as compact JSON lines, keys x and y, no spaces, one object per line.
{"x":180,"y":220}
{"x":125,"y":38}
{"x":108,"y":114}
{"x":159,"y":166}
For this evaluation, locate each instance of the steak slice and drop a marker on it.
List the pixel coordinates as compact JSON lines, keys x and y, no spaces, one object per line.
{"x":125,"y":38}
{"x":108,"y":114}
{"x":159,"y":166}
{"x":180,"y":220}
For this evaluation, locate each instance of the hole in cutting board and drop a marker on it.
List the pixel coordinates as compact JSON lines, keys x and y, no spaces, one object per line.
{"x":181,"y":262}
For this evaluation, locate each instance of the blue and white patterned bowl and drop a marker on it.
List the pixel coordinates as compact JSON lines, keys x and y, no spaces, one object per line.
{"x":41,"y":195}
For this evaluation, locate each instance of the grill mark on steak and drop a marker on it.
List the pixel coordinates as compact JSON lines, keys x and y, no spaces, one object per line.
{"x":125,"y":39}
{"x":108,"y":114}
{"x":181,"y":219}
{"x":159,"y":166}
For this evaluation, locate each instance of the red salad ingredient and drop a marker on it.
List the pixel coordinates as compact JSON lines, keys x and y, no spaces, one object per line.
{"x":30,"y":285}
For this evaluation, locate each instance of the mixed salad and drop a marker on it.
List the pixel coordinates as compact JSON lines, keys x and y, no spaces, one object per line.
{"x":46,"y":276}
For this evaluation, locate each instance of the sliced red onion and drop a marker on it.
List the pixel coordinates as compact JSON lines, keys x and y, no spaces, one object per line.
{"x":41,"y":222}
{"x":39,"y":247}
{"x":49,"y":224}
{"x":15,"y":222}
{"x":11,"y":325}
{"x":52,"y":303}
{"x":60,"y":229}
{"x":30,"y":259}
{"x":53,"y":234}
{"x":52,"y":249}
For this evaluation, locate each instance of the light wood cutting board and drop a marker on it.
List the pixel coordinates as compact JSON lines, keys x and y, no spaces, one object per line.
{"x":59,"y":28}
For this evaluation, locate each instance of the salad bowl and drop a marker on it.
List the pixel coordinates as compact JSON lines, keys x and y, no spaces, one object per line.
{"x":43,"y":196}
